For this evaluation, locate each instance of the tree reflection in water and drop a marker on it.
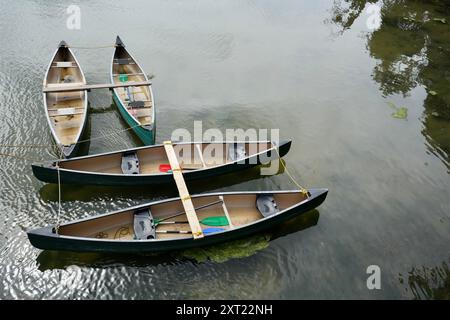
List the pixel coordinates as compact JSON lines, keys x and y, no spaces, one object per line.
{"x":429,"y":283}
{"x":412,"y":48}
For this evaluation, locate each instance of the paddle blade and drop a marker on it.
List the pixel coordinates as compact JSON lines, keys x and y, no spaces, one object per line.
{"x":215,"y":221}
{"x":212,"y":230}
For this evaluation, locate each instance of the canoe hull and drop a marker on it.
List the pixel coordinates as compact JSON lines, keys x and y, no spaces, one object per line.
{"x":45,"y":239}
{"x":50,"y":174}
{"x":147,"y":136}
{"x":66,"y":150}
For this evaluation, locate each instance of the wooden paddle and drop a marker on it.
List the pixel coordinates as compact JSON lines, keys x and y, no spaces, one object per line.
{"x":205,"y":231}
{"x":216,"y":221}
{"x":157,"y":221}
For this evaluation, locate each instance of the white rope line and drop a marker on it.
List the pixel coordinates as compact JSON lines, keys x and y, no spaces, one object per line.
{"x":109,"y":134}
{"x":58,"y":218}
{"x":51,"y":145}
{"x":25,"y":145}
{"x":93,"y":47}
{"x":16,"y":157}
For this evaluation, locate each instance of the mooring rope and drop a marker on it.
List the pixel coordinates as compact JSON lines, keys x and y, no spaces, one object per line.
{"x":44,"y":146}
{"x":58,"y":218}
{"x":109,"y":134}
{"x":25,"y":145}
{"x":10,"y":155}
{"x":94,"y":47}
{"x":303,"y":190}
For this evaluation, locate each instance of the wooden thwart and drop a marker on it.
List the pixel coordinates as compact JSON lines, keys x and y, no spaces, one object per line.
{"x":183,"y":191}
{"x":225,"y":210}
{"x":200,"y":154}
{"x":96,"y":86}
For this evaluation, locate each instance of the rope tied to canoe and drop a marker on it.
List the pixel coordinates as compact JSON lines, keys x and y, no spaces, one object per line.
{"x":302,"y":189}
{"x":10,"y":155}
{"x":93,"y":47}
{"x":58,"y":218}
{"x":48,"y":146}
{"x":109,"y":134}
{"x":25,"y":146}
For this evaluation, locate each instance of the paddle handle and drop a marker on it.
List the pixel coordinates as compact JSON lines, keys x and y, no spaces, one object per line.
{"x":183,"y":212}
{"x":206,"y":231}
{"x":174,"y":231}
{"x":172,"y":222}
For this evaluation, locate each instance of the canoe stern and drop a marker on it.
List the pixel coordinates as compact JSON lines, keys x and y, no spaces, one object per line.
{"x":284,"y":147}
{"x":42,"y":238}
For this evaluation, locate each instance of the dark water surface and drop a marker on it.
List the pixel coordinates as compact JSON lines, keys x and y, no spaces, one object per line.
{"x":368,"y":112}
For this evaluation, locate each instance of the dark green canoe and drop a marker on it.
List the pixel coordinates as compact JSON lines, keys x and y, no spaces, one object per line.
{"x":145,"y":165}
{"x":134,"y":230}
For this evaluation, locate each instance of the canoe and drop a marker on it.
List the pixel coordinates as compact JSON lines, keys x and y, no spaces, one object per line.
{"x":151,"y":227}
{"x":66,"y":111}
{"x":136,"y":104}
{"x":149,"y":165}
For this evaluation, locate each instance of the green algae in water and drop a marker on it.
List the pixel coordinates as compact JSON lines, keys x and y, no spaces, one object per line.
{"x":400,"y":112}
{"x":236,"y":249}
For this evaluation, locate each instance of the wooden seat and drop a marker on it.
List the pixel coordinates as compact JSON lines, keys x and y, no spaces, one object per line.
{"x":65,"y":112}
{"x":123,"y":61}
{"x":66,"y":115}
{"x":65,"y":107}
{"x":127,"y":74}
{"x":64,"y":64}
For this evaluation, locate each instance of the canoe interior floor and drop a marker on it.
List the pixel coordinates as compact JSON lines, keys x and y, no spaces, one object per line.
{"x":66,"y":126}
{"x":150,"y":160}
{"x":144,"y":116}
{"x":149,"y":167}
{"x":239,"y":216}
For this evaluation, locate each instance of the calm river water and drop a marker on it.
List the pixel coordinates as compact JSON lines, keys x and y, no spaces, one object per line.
{"x":367,"y":107}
